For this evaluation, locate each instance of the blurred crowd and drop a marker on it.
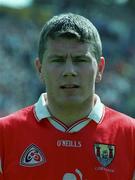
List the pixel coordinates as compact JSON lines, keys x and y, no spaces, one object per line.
{"x":20,"y":85}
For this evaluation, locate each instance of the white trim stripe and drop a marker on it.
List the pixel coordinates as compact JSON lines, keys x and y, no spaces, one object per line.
{"x":57,"y":125}
{"x":78,"y":127}
{"x":97,"y":112}
{"x":41,"y":112}
{"x":76,"y":123}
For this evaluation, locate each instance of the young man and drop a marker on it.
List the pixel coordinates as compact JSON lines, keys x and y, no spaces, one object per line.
{"x":68,"y":134}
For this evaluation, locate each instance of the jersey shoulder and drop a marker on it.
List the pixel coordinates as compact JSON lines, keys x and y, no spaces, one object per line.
{"x":117,"y":117}
{"x":18,"y":116}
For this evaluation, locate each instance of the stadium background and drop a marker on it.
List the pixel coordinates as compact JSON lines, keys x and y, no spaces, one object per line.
{"x":19,"y":33}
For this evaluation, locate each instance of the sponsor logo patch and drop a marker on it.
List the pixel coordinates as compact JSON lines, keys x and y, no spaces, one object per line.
{"x":104,"y":153}
{"x":32,"y":156}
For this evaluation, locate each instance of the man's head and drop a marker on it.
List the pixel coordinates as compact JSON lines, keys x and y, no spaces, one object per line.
{"x":70,"y":26}
{"x":70,"y":61}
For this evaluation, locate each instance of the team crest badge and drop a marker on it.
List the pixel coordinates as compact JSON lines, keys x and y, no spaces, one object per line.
{"x":32,"y":156}
{"x":104,"y":153}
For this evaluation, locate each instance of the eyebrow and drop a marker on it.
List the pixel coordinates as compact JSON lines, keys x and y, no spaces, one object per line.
{"x":55,"y":56}
{"x":81,"y":56}
{"x":73,"y":56}
{"x":85,"y":57}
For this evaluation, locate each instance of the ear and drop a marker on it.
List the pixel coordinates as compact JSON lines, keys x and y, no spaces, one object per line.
{"x":101,"y":66}
{"x":38,"y":66}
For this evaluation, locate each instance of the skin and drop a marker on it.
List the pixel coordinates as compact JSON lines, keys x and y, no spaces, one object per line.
{"x":69,"y":71}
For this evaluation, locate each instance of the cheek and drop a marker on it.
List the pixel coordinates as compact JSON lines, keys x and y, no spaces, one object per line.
{"x":45,"y":72}
{"x":90,"y":72}
{"x":50,"y":77}
{"x":89,"y":77}
{"x":93,"y":70}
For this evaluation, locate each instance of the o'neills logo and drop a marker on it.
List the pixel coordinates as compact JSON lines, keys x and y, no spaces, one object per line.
{"x":69,"y":143}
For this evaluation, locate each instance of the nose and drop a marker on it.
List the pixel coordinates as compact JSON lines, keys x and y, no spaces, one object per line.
{"x":69,"y":69}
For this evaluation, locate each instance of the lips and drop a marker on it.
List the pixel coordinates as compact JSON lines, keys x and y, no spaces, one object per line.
{"x":69,"y":86}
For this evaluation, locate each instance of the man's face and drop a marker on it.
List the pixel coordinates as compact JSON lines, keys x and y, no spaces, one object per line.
{"x":69,"y":71}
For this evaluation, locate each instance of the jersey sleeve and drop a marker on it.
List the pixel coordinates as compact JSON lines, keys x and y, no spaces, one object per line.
{"x":134,"y":147}
{"x":1,"y":151}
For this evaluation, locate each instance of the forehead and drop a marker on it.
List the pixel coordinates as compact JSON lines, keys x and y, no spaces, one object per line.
{"x":61,"y":46}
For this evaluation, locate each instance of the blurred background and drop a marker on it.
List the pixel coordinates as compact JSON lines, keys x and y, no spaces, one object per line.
{"x":21,"y":22}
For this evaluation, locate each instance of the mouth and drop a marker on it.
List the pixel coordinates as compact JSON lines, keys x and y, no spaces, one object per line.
{"x":69,"y":86}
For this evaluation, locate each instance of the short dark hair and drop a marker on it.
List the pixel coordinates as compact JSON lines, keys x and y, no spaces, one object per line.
{"x":69,"y":26}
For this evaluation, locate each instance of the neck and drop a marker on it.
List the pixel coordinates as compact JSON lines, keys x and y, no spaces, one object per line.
{"x":70,"y":114}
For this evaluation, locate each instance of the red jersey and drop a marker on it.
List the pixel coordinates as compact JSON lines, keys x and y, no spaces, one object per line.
{"x":36,"y":146}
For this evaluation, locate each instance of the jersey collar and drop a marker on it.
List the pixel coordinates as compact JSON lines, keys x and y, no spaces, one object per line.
{"x":42,"y":112}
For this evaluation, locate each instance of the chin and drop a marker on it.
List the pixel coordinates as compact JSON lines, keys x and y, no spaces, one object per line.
{"x":71,"y":100}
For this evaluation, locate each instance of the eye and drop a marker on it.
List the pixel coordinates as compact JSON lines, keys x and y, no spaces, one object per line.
{"x":77,"y":60}
{"x":58,"y":60}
